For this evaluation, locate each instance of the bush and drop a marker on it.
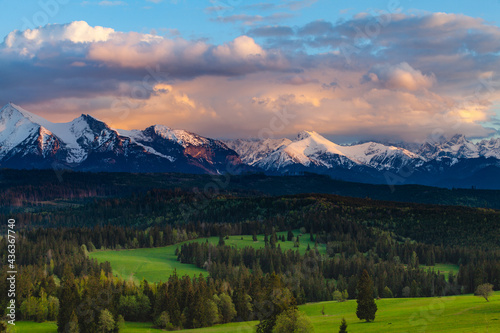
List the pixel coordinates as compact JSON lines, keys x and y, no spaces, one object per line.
{"x":485,"y":290}
{"x":293,"y":321}
{"x":163,"y":322}
{"x":387,"y":293}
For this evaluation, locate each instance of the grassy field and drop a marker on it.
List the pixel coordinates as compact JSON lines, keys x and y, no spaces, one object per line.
{"x":443,"y":269}
{"x":155,"y":264}
{"x":446,"y":314}
{"x":51,"y":327}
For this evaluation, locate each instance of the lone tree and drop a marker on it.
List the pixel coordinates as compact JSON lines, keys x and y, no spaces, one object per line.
{"x":485,"y":290}
{"x":366,"y":304}
{"x":293,"y":321}
{"x":343,"y":326}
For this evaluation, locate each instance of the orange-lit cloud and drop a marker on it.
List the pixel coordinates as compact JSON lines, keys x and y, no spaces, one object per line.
{"x":418,"y":74}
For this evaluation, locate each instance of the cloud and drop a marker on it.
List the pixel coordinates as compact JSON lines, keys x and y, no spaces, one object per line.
{"x":297,"y":80}
{"x":287,"y":4}
{"x":252,"y":19}
{"x":216,"y":9}
{"x":299,"y":4}
{"x":268,"y":31}
{"x":400,"y":76}
{"x":31,"y":41}
{"x":112,"y":3}
{"x":404,"y":76}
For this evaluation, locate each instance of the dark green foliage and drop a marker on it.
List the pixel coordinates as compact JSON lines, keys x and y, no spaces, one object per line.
{"x":33,"y":187}
{"x":277,"y":301}
{"x":221,"y":241}
{"x":72,"y":325}
{"x":366,"y":304}
{"x":343,"y":326}
{"x":387,"y":293}
{"x":68,"y":301}
{"x":390,"y":240}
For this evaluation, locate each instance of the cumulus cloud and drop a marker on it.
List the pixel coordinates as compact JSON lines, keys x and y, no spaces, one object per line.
{"x":400,"y":76}
{"x":416,"y":74}
{"x":30,"y":41}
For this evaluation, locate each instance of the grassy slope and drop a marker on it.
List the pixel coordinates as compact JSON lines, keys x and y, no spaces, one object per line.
{"x":155,"y":264}
{"x":445,"y":314}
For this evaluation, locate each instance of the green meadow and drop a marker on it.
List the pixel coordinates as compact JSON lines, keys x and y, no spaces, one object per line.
{"x":456,"y":314}
{"x":157,"y":264}
{"x":443,"y":269}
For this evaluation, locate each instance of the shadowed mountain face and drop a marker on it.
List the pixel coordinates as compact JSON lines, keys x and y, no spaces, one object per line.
{"x":28,"y":141}
{"x":456,"y":162}
{"x":31,"y":142}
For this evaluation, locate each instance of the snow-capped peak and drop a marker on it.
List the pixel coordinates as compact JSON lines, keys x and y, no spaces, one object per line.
{"x":182,"y":137}
{"x":309,"y":148}
{"x":17,"y":124}
{"x":305,"y":134}
{"x":14,"y":110}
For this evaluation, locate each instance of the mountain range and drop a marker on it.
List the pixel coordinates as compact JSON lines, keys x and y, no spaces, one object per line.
{"x":28,"y":141}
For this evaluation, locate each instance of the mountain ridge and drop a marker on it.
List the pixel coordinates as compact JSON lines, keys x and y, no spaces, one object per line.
{"x":28,"y":141}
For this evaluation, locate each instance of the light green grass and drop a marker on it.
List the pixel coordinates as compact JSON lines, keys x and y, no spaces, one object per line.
{"x":456,"y":314}
{"x":443,"y":269}
{"x":152,"y":264}
{"x":157,"y":264}
{"x":29,"y":326}
{"x":446,"y":314}
{"x":51,"y":327}
{"x":247,"y":241}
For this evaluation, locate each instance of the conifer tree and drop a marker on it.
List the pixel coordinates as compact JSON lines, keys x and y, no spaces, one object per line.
{"x":366,"y":304}
{"x":343,"y":326}
{"x":68,"y":300}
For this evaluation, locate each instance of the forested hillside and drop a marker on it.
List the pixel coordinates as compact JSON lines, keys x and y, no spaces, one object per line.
{"x":54,"y":188}
{"x":389,"y":240}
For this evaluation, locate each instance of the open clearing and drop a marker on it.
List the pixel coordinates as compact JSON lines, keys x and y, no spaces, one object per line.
{"x":157,"y":264}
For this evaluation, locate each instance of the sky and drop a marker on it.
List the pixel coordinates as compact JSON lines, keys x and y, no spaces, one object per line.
{"x":350,"y":70}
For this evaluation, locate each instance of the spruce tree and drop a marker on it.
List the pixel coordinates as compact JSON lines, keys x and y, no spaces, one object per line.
{"x":343,"y":326}
{"x":68,"y":300}
{"x":72,"y":326}
{"x":366,"y":304}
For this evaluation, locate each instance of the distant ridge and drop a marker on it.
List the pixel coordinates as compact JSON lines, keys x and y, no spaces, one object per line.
{"x":28,"y":141}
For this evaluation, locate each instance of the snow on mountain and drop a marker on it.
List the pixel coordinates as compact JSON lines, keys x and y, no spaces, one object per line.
{"x":17,"y":124}
{"x":311,"y":149}
{"x":251,"y":150}
{"x":30,"y":141}
{"x":382,"y":157}
{"x":182,"y":137}
{"x":15,"y":127}
{"x":489,"y":148}
{"x":458,"y":147}
{"x":138,"y":136}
